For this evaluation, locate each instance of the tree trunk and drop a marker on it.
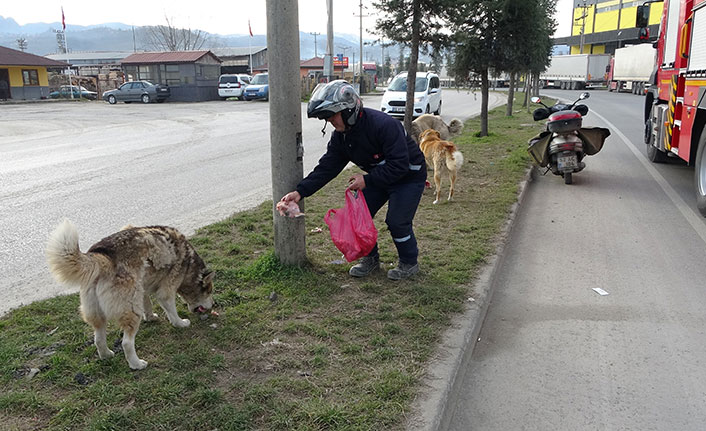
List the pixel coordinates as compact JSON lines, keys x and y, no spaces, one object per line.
{"x":535,"y":85}
{"x":525,"y":101}
{"x":510,"y":95}
{"x":412,"y":71}
{"x":286,"y":149}
{"x":484,"y":103}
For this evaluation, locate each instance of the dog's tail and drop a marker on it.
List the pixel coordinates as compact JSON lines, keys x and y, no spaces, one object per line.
{"x":66,"y":262}
{"x":454,"y":158}
{"x":455,"y":127}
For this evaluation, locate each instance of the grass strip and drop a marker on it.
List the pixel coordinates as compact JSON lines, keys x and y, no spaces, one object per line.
{"x":294,"y":348}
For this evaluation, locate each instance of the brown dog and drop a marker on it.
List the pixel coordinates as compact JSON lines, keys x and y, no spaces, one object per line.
{"x":118,"y":274}
{"x":443,"y":156}
{"x":429,"y":121}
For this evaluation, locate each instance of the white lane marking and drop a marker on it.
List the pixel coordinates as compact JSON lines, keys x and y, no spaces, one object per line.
{"x":689,"y":214}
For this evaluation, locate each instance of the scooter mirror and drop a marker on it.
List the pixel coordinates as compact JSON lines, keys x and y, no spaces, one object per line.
{"x":584,"y":95}
{"x":535,"y":99}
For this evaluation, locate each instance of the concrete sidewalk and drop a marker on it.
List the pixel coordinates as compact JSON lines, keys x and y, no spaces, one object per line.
{"x":456,"y":347}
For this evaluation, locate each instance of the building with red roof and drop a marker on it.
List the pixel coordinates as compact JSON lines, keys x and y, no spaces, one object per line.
{"x":25,"y":75}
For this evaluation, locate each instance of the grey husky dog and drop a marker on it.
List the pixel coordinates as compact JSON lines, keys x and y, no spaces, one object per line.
{"x":118,"y":274}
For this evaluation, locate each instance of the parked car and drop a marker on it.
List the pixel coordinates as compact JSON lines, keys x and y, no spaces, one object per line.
{"x":232,"y":85}
{"x":258,"y":88}
{"x":427,"y":95}
{"x":64,"y":92}
{"x":137,"y":91}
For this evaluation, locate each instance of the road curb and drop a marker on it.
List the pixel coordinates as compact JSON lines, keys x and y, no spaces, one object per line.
{"x":446,"y":369}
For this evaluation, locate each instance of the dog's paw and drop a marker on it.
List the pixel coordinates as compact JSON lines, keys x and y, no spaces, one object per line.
{"x":435,"y":202}
{"x":182,"y":323}
{"x":138,"y":365}
{"x":107,"y":354}
{"x":150,"y":317}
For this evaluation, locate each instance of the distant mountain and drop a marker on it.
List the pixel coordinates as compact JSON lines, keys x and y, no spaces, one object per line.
{"x":9,"y":25}
{"x":41,"y":40}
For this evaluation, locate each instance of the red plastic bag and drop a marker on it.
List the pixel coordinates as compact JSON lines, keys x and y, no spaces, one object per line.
{"x":352,"y":228}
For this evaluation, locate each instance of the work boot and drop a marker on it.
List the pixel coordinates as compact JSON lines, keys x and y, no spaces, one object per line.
{"x":403,"y":270}
{"x":365,"y":266}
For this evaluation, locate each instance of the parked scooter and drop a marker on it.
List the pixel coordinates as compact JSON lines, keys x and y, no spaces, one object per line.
{"x":564,"y":144}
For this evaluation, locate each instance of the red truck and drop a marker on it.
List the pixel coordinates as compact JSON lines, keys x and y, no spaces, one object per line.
{"x":675,"y":105}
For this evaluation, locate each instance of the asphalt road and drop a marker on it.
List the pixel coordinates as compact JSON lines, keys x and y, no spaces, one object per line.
{"x":104,"y":166}
{"x":555,"y":355}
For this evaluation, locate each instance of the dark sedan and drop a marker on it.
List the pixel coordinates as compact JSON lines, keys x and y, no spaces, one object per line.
{"x":137,"y":91}
{"x":64,"y":92}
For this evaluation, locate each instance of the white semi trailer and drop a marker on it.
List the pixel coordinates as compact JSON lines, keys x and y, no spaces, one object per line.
{"x":631,"y":68}
{"x":576,"y":72}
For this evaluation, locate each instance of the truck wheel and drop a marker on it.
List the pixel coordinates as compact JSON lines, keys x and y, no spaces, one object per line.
{"x":700,"y":174}
{"x":653,"y":154}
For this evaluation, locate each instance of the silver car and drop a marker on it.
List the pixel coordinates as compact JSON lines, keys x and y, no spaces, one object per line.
{"x":137,"y":91}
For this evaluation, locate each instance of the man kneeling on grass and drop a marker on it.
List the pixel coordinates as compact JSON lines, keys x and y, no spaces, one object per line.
{"x":395,"y":169}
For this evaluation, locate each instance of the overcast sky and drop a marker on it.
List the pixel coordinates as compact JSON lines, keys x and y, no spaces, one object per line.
{"x":212,"y":16}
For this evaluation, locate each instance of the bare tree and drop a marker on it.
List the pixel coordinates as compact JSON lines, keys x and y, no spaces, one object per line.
{"x":170,"y":38}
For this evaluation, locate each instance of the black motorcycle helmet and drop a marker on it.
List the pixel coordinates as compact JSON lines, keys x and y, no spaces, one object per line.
{"x":336,"y":96}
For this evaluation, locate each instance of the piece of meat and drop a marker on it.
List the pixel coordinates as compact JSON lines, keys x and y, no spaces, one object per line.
{"x":289,"y":209}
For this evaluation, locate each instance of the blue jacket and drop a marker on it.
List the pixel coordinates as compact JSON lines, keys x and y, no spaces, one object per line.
{"x":377,"y":144}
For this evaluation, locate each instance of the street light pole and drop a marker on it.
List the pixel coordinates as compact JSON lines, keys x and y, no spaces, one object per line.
{"x":345,"y":49}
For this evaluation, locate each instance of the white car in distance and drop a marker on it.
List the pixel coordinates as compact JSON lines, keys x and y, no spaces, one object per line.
{"x":427,"y":95}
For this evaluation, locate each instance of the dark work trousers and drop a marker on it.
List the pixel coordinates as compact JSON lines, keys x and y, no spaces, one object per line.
{"x":403,"y":202}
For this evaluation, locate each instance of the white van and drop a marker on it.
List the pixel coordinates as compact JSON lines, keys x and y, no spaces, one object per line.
{"x":427,"y":95}
{"x":231,"y":85}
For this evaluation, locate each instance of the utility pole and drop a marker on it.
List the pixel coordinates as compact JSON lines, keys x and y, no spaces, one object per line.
{"x":315,"y":34}
{"x":583,"y":23}
{"x":383,"y":45}
{"x":328,"y":58}
{"x":382,"y":62}
{"x":21,"y":43}
{"x":360,"y":15}
{"x":287,"y":151}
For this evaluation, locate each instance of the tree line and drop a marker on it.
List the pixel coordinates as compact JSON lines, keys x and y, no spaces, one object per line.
{"x":477,"y":36}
